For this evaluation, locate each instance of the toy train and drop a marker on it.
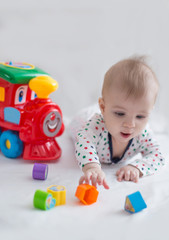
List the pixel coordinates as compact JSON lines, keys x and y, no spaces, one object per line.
{"x":29,"y":120}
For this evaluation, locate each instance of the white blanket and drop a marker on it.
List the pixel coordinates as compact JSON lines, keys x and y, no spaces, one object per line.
{"x":104,"y":219}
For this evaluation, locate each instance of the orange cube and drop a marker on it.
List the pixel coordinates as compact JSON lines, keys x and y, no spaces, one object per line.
{"x":87,"y":194}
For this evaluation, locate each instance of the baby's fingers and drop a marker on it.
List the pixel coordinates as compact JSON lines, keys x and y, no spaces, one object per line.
{"x":100,"y":178}
{"x":88,"y":176}
{"x":120,"y":175}
{"x":85,"y":178}
{"x":81,"y":180}
{"x":133,"y":176}
{"x":118,"y":171}
{"x":127,"y":176}
{"x":136,"y":178}
{"x":105,"y":185}
{"x":94,"y":179}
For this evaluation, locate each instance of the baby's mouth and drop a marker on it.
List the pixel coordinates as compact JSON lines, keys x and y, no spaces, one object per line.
{"x":125,"y":135}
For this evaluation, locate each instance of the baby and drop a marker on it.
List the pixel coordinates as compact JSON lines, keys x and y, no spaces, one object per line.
{"x":128,"y":96}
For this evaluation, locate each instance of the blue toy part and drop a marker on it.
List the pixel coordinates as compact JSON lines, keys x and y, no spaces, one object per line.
{"x":19,"y":65}
{"x":50,"y":202}
{"x":12,"y":115}
{"x":135,"y":202}
{"x":10,"y":144}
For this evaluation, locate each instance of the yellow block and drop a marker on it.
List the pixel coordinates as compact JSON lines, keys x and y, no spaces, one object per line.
{"x":59,"y":193}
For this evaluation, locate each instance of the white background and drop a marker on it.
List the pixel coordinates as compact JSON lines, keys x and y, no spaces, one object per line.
{"x":77,"y":41}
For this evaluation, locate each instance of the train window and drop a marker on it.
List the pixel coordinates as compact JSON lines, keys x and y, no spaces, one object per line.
{"x":2,"y":94}
{"x":20,"y":95}
{"x":33,"y":95}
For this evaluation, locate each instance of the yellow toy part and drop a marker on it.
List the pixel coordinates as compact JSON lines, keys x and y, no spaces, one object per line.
{"x":2,"y":94}
{"x":59,"y":193}
{"x":8,"y":144}
{"x":129,"y":206}
{"x":43,"y":86}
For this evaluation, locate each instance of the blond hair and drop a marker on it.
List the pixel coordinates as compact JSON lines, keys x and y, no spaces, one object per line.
{"x":132,"y":76}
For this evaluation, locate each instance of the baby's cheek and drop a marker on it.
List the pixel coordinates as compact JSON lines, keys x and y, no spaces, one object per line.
{"x":143,"y":123}
{"x":139,"y":128}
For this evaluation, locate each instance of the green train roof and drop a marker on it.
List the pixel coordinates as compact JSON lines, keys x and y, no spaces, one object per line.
{"x":19,"y":73}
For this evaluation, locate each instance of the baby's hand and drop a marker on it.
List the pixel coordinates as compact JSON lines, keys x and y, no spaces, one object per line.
{"x":128,"y":173}
{"x":93,"y":173}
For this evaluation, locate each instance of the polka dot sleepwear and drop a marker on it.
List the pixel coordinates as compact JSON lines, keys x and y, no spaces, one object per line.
{"x":93,"y":145}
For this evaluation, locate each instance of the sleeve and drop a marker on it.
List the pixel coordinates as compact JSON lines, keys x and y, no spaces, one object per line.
{"x":152,"y":159}
{"x":87,"y":140}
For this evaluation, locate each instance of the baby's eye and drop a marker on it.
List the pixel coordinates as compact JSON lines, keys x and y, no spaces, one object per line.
{"x":119,"y":114}
{"x":140,"y":117}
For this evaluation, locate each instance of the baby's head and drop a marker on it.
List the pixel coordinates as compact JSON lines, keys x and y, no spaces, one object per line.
{"x":128,"y":95}
{"x":133,"y":77}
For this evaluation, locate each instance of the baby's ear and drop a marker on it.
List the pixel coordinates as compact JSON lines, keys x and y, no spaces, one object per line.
{"x":101,"y":105}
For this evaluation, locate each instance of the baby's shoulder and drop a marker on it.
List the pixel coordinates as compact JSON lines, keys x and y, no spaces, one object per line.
{"x":96,"y":121}
{"x":144,"y":135}
{"x":97,"y":117}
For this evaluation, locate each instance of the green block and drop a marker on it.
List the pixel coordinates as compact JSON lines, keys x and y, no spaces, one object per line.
{"x":43,"y":200}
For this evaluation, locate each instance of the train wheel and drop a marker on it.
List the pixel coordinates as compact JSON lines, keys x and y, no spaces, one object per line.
{"x":10,"y":144}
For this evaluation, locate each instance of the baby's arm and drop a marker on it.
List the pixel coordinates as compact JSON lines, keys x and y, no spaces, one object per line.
{"x":152,"y":159}
{"x":93,"y":173}
{"x":87,"y":140}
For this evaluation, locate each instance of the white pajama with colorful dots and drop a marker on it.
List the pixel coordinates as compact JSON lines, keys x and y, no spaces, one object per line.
{"x":93,"y":145}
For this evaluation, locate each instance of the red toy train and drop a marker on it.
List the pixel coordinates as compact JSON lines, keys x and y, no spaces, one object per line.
{"x":29,"y":120}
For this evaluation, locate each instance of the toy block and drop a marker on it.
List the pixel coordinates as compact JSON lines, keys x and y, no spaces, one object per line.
{"x":87,"y":194}
{"x":40,"y":171}
{"x":43,"y":200}
{"x":59,"y":193}
{"x":134,"y":203}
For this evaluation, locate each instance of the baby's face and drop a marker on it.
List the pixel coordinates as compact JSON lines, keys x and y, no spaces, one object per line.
{"x":125,"y":117}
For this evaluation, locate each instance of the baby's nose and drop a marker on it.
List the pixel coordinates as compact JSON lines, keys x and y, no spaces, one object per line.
{"x":130,"y":123}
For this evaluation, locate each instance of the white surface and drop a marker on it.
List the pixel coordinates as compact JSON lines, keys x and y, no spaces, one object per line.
{"x":103,"y":220}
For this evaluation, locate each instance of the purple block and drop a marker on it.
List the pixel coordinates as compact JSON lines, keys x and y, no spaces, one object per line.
{"x":40,"y":171}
